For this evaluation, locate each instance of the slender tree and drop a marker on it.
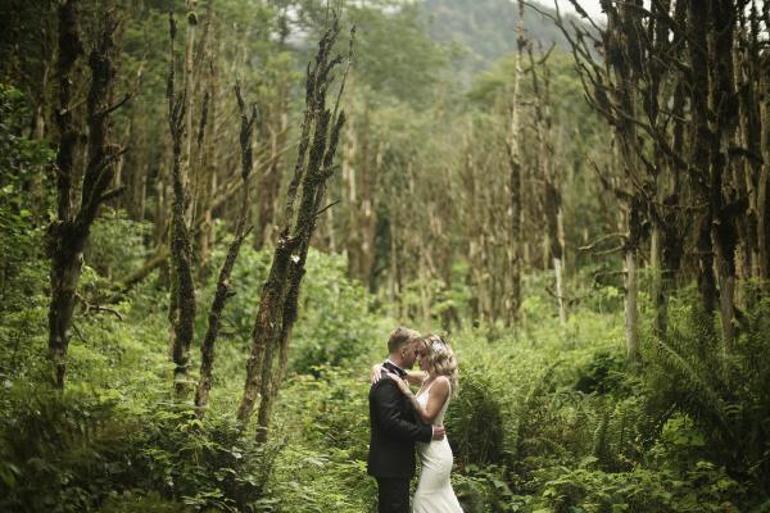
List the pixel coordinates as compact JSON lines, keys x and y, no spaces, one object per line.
{"x":69,"y":233}
{"x":223,"y":290}
{"x":513,"y":145}
{"x":182,"y":308}
{"x":319,"y":135}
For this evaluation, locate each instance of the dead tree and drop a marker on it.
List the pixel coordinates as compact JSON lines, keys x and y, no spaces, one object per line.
{"x":630,"y":88}
{"x":693,"y":98}
{"x":669,"y":224}
{"x":223,"y":291}
{"x":68,"y":235}
{"x":610,"y":88}
{"x":203,"y":159}
{"x":513,"y":145}
{"x":725,"y":203}
{"x":552,"y":202}
{"x":713,"y":122}
{"x":182,"y":308}
{"x":763,"y":205}
{"x":319,"y":135}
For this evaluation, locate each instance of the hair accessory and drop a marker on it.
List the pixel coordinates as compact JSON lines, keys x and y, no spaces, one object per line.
{"x":438,"y":345}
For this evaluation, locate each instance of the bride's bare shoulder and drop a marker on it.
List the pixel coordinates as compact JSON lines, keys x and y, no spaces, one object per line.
{"x":441,"y":384}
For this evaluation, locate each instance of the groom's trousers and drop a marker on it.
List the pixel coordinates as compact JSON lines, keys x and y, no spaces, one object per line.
{"x":392,"y":495}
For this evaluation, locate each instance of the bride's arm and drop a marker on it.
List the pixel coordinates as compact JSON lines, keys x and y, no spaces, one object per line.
{"x":439,"y":391}
{"x":416,"y":377}
{"x":413,"y":377}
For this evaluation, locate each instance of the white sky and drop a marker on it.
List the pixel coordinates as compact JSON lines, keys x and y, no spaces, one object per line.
{"x":592,"y":7}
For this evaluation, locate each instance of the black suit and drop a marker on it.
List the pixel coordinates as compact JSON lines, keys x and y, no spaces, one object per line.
{"x":394,"y":431}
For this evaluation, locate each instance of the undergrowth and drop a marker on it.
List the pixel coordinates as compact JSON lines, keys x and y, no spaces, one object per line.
{"x":548,"y":418}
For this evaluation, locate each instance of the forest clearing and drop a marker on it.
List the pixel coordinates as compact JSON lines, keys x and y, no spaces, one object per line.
{"x":215,"y":213}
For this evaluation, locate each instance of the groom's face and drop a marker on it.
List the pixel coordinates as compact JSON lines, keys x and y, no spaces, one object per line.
{"x":409,"y":355}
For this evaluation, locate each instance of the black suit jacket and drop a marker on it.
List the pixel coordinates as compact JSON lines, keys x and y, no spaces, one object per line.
{"x":394,"y":431}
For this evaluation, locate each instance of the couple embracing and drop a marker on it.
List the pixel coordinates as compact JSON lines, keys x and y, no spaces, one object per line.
{"x":401,"y":419}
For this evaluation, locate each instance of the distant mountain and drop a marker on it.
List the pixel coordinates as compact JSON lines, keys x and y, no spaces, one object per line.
{"x":482,"y":31}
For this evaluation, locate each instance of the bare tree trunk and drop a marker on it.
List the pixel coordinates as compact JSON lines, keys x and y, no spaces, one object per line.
{"x":660,"y":321}
{"x":553,"y":246}
{"x":471,"y":223}
{"x":763,"y":205}
{"x":280,"y":294}
{"x":223,"y":291}
{"x":70,"y":49}
{"x":634,"y":222}
{"x":182,"y":308}
{"x":369,"y":215}
{"x":514,"y":163}
{"x":746,"y":170}
{"x":349,"y":170}
{"x":188,"y":165}
{"x":722,"y":102}
{"x":319,"y":169}
{"x":702,"y":143}
{"x":206,"y":172}
{"x":69,"y":233}
{"x":665,"y":239}
{"x":631,"y":308}
{"x":203,"y":78}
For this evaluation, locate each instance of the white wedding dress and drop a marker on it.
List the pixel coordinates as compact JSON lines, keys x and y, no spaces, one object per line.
{"x":434,"y":491}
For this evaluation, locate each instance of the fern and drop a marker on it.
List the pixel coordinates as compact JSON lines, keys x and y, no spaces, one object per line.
{"x":727,"y":395}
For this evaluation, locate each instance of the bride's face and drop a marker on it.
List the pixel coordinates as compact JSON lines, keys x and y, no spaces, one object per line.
{"x":422,"y":357}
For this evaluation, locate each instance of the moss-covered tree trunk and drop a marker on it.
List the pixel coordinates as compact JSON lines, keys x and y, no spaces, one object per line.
{"x":69,"y":233}
{"x":763,"y":205}
{"x":277,"y":312}
{"x":514,"y":143}
{"x":702,"y":143}
{"x":724,"y":205}
{"x":223,"y":290}
{"x":183,"y":304}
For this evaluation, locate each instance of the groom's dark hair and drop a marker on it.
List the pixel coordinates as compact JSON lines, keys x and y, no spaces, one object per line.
{"x":399,"y":337}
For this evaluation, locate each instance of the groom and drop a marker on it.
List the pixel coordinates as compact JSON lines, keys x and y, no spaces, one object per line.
{"x":394,"y":428}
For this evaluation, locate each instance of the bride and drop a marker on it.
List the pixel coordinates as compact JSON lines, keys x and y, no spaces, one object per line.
{"x":438,"y":382}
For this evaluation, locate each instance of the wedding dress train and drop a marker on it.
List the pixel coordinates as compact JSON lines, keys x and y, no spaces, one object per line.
{"x":434,"y":490}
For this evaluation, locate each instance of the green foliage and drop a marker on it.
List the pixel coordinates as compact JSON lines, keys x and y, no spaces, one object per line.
{"x":394,"y":54}
{"x":486,"y":488}
{"x":603,"y":374}
{"x":79,"y":451}
{"x":210,"y":464}
{"x":703,"y":488}
{"x":325,"y":420}
{"x":484,"y":30}
{"x":116,"y":244}
{"x":548,"y":418}
{"x":23,"y":194}
{"x":724,"y":393}
{"x":476,"y":423}
{"x":338,"y":325}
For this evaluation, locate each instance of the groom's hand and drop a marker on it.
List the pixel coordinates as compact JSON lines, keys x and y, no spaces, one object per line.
{"x":438,"y":432}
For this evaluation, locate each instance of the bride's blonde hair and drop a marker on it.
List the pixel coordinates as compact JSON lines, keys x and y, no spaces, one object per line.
{"x":441,"y":360}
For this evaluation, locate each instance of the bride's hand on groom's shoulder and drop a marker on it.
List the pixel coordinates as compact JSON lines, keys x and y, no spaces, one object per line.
{"x":402,"y":384}
{"x":376,"y":373}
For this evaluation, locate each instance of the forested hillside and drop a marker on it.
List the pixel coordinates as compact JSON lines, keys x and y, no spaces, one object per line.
{"x":480,"y":32}
{"x":214,"y":213}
